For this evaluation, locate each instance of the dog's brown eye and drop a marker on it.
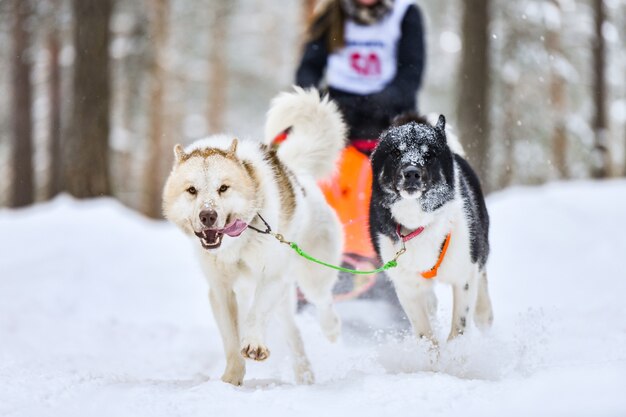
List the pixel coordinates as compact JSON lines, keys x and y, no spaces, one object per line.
{"x":192,"y":190}
{"x":223,"y":188}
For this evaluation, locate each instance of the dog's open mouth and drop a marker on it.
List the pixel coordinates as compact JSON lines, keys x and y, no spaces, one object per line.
{"x":212,"y":238}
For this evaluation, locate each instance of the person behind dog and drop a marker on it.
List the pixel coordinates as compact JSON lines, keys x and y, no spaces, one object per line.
{"x":371,"y":53}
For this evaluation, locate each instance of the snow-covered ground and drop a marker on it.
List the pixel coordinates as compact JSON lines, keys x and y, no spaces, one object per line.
{"x":105,"y":313}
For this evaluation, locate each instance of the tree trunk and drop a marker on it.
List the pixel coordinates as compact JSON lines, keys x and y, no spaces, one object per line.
{"x":22,"y":190}
{"x":510,"y":126}
{"x":601,"y":159}
{"x":218,"y":71}
{"x":87,"y":152}
{"x":557,"y":98}
{"x":154,"y":176}
{"x":54,"y":47}
{"x":474,"y":84}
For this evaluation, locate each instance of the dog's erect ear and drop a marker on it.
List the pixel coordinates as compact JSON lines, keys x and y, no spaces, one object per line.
{"x":441,"y":123}
{"x":441,"y":128}
{"x":233,"y":147}
{"x":179,"y":153}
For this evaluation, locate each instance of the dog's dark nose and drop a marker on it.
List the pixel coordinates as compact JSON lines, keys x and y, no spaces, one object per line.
{"x":411,"y":176}
{"x":208,"y":217}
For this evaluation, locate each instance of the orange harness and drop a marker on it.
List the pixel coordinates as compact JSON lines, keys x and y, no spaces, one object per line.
{"x":432,"y":272}
{"x":281,"y":137}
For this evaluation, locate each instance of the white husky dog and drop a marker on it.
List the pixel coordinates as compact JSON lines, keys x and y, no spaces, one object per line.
{"x":220,"y":186}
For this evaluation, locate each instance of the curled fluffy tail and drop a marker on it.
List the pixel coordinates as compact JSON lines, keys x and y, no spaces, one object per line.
{"x":316,"y":133}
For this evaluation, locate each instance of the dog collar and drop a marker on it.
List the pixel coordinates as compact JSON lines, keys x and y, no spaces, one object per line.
{"x":432,"y":272}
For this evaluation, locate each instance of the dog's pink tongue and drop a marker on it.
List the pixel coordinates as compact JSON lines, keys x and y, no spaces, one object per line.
{"x":235,"y":228}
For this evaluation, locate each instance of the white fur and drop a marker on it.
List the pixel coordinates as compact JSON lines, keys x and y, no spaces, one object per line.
{"x":253,"y":276}
{"x":318,"y":132}
{"x":416,"y":293}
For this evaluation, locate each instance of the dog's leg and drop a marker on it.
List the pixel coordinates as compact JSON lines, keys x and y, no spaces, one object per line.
{"x":301,"y":365}
{"x":269,"y":292}
{"x":323,"y":238}
{"x":464,"y":303}
{"x":316,"y":285}
{"x":484,"y":314}
{"x":419,"y":303}
{"x":224,"y":306}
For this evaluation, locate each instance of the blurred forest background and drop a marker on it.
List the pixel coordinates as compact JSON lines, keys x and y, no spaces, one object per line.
{"x":94,"y":93}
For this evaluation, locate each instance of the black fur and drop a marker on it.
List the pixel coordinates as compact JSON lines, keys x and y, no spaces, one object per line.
{"x":475,"y":210}
{"x":419,"y":148}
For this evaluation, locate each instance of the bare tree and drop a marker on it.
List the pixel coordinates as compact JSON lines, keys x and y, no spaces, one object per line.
{"x":54,"y":84}
{"x":601,"y":161}
{"x":22,"y":191}
{"x":218,"y":74}
{"x":557,"y":94}
{"x":508,"y":79}
{"x":509,"y":126}
{"x":153,"y":172}
{"x":86,"y":153}
{"x":474,"y":85}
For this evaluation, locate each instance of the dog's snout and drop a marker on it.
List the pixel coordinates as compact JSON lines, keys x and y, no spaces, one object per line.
{"x":411,"y":175}
{"x":208,"y":217}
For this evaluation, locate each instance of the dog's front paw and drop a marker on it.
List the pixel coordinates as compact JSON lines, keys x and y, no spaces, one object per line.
{"x":235,"y":371}
{"x":255,"y":351}
{"x":232,"y":377}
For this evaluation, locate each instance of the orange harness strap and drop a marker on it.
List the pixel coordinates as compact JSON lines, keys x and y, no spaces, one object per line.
{"x":281,"y":137}
{"x":432,"y":273}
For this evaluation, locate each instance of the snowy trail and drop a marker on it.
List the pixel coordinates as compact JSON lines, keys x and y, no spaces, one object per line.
{"x":103,"y":313}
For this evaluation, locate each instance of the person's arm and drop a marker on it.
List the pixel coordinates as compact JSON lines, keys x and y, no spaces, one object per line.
{"x":311,"y":68}
{"x":399,"y":95}
{"x":411,"y":54}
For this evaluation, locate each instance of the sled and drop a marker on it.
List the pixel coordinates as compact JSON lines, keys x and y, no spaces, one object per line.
{"x":348,"y":192}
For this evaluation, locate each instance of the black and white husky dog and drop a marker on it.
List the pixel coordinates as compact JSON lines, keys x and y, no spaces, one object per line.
{"x":426,"y":195}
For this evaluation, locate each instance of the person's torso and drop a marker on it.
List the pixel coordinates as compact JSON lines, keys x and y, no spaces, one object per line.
{"x":368,"y":61}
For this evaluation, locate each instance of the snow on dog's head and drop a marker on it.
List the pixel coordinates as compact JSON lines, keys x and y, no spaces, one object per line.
{"x":413,"y":161}
{"x":210,"y":192}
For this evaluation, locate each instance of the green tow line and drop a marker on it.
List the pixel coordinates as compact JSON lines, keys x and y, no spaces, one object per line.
{"x":391,"y":264}
{"x":268,"y":231}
